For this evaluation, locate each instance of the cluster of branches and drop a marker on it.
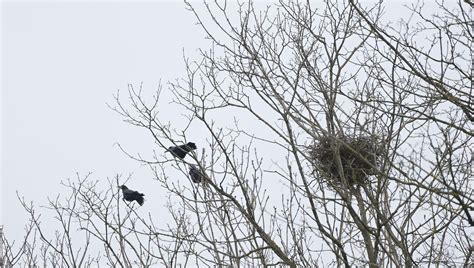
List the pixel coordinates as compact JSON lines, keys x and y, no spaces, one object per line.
{"x":294,"y":74}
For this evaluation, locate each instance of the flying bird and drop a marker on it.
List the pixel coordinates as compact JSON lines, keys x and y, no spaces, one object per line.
{"x":181,"y":150}
{"x":194,"y":173}
{"x":130,"y":195}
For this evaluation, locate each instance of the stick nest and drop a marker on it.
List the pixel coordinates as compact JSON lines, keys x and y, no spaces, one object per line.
{"x":357,"y":164}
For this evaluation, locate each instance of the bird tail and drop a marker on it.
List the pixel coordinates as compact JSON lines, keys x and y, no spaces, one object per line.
{"x":140,"y":199}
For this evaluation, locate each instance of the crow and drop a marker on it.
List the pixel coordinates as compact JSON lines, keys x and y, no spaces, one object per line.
{"x":130,"y":195}
{"x":196,"y":176}
{"x":181,"y":150}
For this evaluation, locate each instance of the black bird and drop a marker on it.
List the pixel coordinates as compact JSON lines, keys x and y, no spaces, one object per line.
{"x":181,"y":150}
{"x":196,"y":176}
{"x":131,"y":195}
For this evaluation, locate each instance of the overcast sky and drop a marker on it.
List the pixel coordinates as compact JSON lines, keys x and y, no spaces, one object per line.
{"x":61,"y":64}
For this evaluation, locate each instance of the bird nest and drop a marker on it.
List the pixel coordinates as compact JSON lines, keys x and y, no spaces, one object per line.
{"x":360,"y":157}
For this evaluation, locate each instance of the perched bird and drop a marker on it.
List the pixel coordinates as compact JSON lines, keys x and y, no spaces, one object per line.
{"x":196,"y":176}
{"x":181,"y":150}
{"x":130,"y":195}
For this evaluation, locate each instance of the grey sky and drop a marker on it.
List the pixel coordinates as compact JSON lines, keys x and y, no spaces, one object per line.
{"x":61,"y":63}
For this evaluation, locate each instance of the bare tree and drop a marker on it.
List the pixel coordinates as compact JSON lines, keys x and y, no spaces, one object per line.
{"x":334,"y":138}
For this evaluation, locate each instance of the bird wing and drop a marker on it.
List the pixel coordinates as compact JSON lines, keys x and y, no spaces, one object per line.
{"x":128,"y":192}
